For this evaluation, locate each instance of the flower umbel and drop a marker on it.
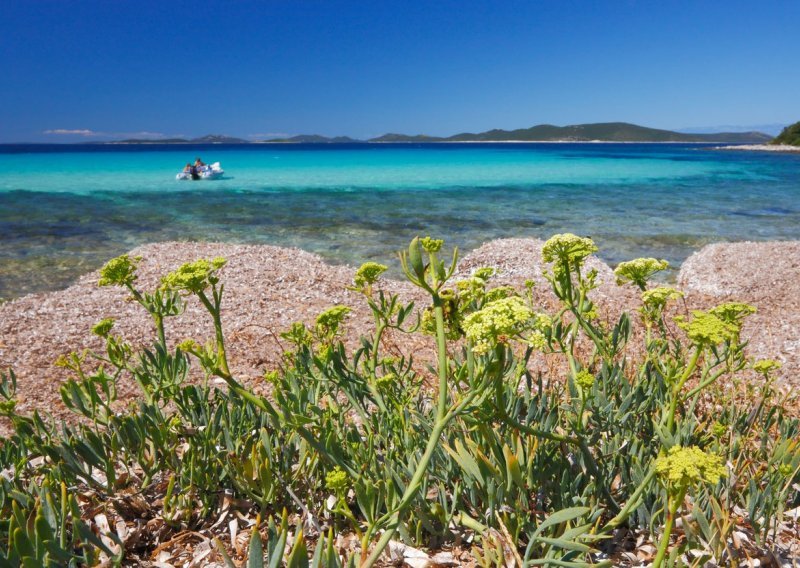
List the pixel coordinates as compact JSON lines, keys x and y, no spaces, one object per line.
{"x":496,"y":322}
{"x":766,"y":366}
{"x":120,"y":271}
{"x":733,"y":312}
{"x":431,"y":245}
{"x":654,"y":301}
{"x":336,"y":480}
{"x":718,"y":430}
{"x":194,"y":277}
{"x":584,"y":379}
{"x":639,"y":271}
{"x":485,"y":272}
{"x":189,"y":346}
{"x":658,"y":297}
{"x":683,"y":467}
{"x":707,"y":329}
{"x":103,"y":327}
{"x":384,"y":382}
{"x":567,"y":249}
{"x":328,"y":322}
{"x":368,"y":274}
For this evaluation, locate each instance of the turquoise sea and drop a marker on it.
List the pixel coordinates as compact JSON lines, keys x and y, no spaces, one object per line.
{"x":66,"y":209}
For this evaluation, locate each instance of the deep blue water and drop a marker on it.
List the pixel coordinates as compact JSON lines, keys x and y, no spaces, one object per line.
{"x":65,"y":209}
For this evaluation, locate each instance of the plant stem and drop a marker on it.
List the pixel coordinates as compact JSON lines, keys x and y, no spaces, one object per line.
{"x":632,"y":503}
{"x":393,"y":517}
{"x":379,"y":327}
{"x":441,"y":347}
{"x":672,"y":509}
{"x":673,"y":404}
{"x":222,"y":358}
{"x":443,"y":418}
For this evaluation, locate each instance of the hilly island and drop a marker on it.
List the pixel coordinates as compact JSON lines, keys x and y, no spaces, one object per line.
{"x":596,"y":132}
{"x":790,"y":135}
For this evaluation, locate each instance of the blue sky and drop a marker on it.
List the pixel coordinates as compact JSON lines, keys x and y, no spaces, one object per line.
{"x":112,"y":69}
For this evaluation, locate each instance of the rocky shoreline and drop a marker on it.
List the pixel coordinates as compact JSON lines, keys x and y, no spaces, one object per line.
{"x":762,"y":148}
{"x":268,"y":288}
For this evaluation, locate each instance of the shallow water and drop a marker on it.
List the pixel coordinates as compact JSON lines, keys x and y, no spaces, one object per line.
{"x":66,"y":209}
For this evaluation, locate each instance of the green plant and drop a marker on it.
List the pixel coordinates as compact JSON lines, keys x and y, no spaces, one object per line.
{"x":539,"y":468}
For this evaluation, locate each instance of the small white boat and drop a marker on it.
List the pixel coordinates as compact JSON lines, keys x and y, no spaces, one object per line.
{"x":212,"y":171}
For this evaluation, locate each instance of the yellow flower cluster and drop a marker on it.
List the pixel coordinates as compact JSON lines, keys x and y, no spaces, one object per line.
{"x":336,"y":480}
{"x":658,"y":297}
{"x":639,"y":271}
{"x":103,"y":327}
{"x":499,"y":293}
{"x":568,"y":249}
{"x":189,"y":346}
{"x":368,"y":274}
{"x":682,"y":467}
{"x":498,"y":321}
{"x":537,"y":338}
{"x":707,"y":329}
{"x":431,"y":245}
{"x":766,"y":366}
{"x":272,"y":377}
{"x":193,"y":277}
{"x":584,"y":379}
{"x":385,"y":381}
{"x":7,"y":407}
{"x":718,"y":430}
{"x":328,"y":322}
{"x":485,"y":272}
{"x":733,"y":312}
{"x":120,"y":271}
{"x":471,"y":290}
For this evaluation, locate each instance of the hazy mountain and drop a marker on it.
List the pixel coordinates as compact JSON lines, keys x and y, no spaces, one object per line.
{"x":313,"y":139}
{"x":392,"y":137}
{"x":772,"y":129}
{"x":207,"y":139}
{"x":144,"y":141}
{"x":602,"y":131}
{"x":218,"y":139}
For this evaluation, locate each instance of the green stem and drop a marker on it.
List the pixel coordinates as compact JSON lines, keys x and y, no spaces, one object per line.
{"x":696,"y":390}
{"x":160,"y":330}
{"x":441,"y":347}
{"x":672,"y":509}
{"x":633,"y":502}
{"x":379,"y":327}
{"x":222,"y":358}
{"x":393,"y":517}
{"x":443,"y":418}
{"x":673,"y":404}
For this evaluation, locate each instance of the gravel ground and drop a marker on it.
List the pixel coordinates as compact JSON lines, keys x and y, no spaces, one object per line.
{"x":766,"y":275}
{"x":267,"y":288}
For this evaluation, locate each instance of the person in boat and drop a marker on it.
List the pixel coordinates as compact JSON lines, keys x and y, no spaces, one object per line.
{"x":191,"y":170}
{"x":199,"y":165}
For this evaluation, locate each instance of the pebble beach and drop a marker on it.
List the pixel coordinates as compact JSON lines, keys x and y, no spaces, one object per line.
{"x":268,"y":288}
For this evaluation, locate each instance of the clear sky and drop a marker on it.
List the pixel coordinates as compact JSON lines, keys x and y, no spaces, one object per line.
{"x":113,"y":69}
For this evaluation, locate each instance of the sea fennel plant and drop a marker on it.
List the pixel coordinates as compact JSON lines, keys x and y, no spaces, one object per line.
{"x":621,"y":432}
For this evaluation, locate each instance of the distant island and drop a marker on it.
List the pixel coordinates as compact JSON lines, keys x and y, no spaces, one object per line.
{"x":600,"y":132}
{"x":209,"y":139}
{"x":597,"y":132}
